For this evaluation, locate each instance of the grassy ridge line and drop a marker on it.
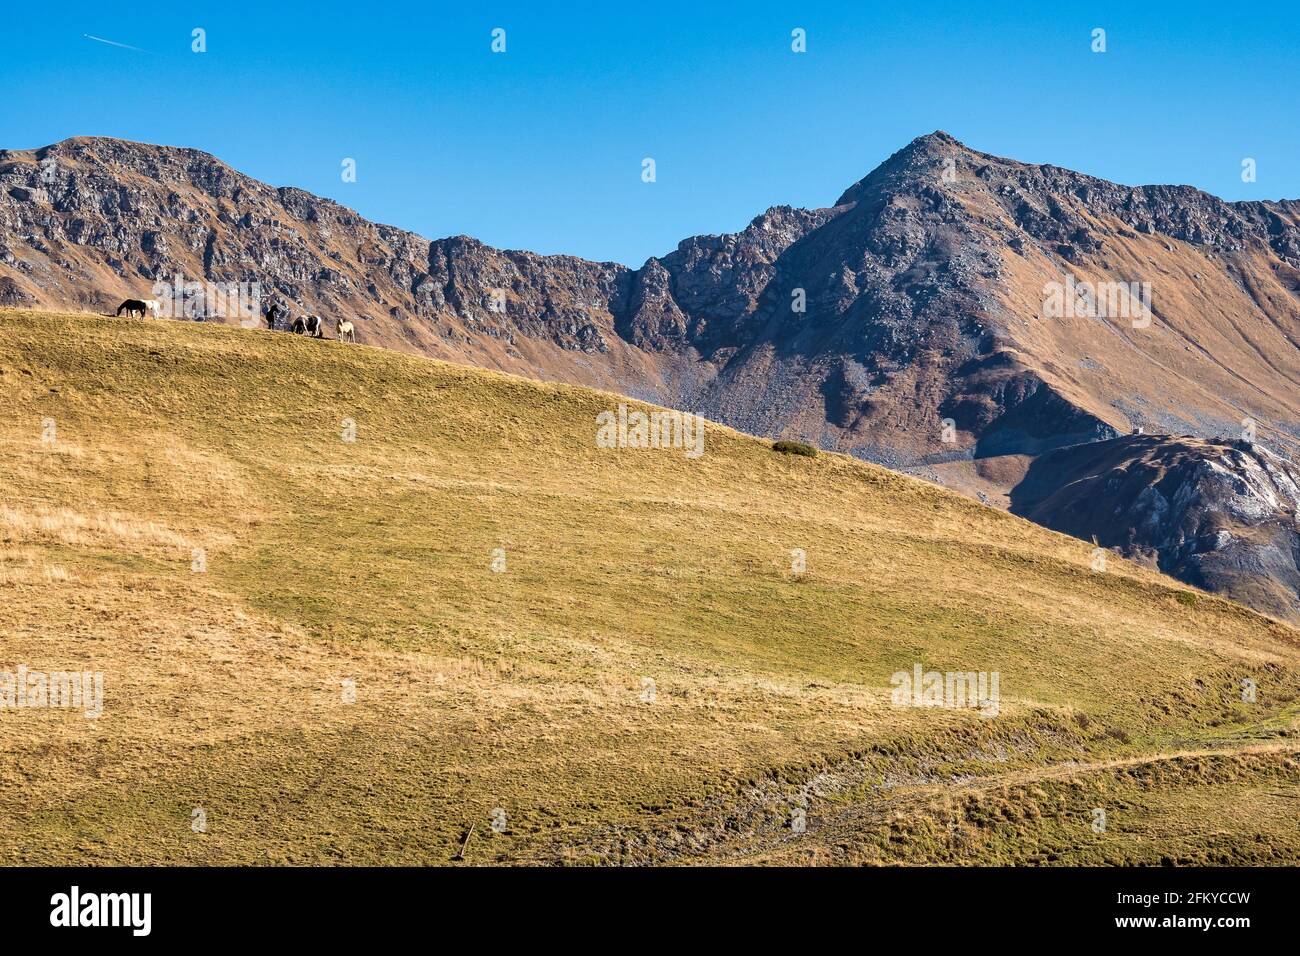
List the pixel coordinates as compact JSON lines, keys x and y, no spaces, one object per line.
{"x":520,"y":690}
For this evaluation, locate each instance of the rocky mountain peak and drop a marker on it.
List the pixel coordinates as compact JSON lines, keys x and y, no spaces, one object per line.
{"x":904,"y":325}
{"x":920,"y":162}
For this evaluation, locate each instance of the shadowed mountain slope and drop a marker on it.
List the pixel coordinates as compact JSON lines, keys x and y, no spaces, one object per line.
{"x":1223,"y":515}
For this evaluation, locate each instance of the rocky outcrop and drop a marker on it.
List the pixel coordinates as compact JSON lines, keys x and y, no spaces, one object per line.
{"x":1219,"y":514}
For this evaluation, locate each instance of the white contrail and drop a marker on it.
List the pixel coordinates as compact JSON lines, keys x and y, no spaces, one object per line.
{"x":124,"y":46}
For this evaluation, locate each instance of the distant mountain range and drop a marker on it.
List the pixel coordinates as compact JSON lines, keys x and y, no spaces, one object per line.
{"x":1003,"y":328}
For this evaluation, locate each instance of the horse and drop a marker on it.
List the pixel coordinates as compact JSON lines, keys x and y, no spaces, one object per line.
{"x":346,"y":332}
{"x":154,"y":307}
{"x":308,"y":325}
{"x":133,"y":308}
{"x":271,"y":314}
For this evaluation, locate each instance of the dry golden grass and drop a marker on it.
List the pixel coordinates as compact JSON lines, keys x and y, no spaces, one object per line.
{"x":324,"y":565}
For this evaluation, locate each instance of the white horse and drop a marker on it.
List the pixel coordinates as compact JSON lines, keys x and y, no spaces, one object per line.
{"x":346,"y":331}
{"x":154,"y":307}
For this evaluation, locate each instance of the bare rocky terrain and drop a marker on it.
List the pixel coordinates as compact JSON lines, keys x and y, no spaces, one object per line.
{"x":909,"y":323}
{"x":1219,"y":514}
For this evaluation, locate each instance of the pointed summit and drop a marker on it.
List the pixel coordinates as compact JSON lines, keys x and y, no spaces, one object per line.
{"x":930,"y":141}
{"x":921,"y":153}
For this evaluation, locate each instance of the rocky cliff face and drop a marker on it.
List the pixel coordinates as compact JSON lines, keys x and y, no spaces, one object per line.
{"x":88,"y":222}
{"x":1219,"y":514}
{"x":907,"y":313}
{"x":910,"y":323}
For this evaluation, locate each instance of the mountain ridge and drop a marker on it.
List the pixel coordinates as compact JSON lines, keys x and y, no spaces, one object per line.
{"x":905,"y":325}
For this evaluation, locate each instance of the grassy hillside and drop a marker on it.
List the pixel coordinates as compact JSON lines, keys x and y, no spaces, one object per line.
{"x":328,"y":561}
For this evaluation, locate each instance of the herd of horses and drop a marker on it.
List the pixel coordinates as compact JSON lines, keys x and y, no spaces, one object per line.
{"x":309,"y":325}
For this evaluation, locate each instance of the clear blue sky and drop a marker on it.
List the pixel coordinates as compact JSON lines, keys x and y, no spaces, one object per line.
{"x":540,"y":148}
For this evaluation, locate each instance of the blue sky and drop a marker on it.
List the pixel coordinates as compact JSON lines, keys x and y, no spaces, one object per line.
{"x":541,"y":147}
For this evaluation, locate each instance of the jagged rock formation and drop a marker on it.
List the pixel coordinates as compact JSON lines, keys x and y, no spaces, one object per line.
{"x":1218,"y":514}
{"x":919,"y":321}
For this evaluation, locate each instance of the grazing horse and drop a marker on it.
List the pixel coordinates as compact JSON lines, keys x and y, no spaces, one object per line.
{"x":154,"y":307}
{"x":346,"y":332}
{"x":308,"y":325}
{"x":271,"y":315}
{"x":133,"y":308}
